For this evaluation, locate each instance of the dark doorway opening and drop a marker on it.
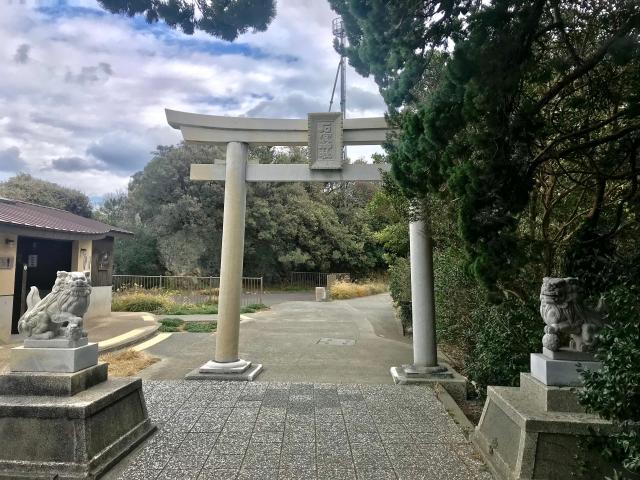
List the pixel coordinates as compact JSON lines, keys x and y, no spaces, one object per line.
{"x":37,"y":262}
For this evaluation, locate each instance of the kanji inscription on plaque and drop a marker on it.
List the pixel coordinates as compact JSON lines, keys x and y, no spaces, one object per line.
{"x":325,"y":140}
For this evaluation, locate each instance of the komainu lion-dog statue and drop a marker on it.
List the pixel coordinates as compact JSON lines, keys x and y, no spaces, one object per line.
{"x":59,"y":314}
{"x":564,"y":314}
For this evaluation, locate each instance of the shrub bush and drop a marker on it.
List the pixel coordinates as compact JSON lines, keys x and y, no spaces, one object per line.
{"x":140,"y":302}
{"x":342,"y":290}
{"x":613,"y":392}
{"x":400,"y":290}
{"x":172,"y":322}
{"x":190,"y":309}
{"x":499,"y":339}
{"x":253,"y":308}
{"x":170,"y":325}
{"x":158,"y":303}
{"x":200,"y":327}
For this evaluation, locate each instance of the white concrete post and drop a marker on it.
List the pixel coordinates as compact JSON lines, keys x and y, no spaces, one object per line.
{"x":235,"y":200}
{"x":423,"y":309}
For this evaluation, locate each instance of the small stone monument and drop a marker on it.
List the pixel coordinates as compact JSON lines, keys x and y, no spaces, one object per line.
{"x":60,"y":416}
{"x":535,"y":430}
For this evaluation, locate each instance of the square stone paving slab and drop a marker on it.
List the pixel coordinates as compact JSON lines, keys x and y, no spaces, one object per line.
{"x":231,"y":430}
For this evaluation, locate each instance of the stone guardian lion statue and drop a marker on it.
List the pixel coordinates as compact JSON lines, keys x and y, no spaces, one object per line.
{"x":60,"y":313}
{"x":564,"y":314}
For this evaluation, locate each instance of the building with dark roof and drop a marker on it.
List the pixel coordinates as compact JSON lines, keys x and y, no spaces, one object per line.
{"x":37,"y":241}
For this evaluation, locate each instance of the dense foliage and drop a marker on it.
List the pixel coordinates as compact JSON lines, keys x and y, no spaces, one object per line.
{"x":519,"y":131}
{"x":289,"y":226}
{"x":225,"y":19}
{"x":28,"y":189}
{"x":614,"y":391}
{"x":532,"y":125}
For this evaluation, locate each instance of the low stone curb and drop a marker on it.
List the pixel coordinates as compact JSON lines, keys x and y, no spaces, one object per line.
{"x":454,"y":410}
{"x":145,"y":334}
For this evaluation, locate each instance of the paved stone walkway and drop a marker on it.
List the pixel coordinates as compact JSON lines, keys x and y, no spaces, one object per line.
{"x":229,"y":430}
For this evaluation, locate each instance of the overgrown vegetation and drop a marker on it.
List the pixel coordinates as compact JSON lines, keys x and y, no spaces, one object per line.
{"x":158,"y":303}
{"x":342,"y":290}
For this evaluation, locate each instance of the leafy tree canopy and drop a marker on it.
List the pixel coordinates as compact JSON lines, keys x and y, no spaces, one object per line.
{"x":28,"y":189}
{"x":225,"y":19}
{"x":289,"y":226}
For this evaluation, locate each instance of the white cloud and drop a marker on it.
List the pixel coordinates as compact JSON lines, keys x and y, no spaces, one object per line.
{"x":84,"y":91}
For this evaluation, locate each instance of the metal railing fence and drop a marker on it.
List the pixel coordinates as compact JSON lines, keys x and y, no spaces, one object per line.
{"x":187,"y":289}
{"x":310,"y":280}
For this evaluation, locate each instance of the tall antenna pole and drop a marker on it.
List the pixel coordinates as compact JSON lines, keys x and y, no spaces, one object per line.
{"x":339,"y":34}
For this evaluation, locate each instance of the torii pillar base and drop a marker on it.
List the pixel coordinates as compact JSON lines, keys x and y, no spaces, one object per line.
{"x":240,"y":370}
{"x":443,"y":375}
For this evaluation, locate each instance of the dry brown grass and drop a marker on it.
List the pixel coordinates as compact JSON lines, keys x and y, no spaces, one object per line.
{"x":342,"y":290}
{"x":128,"y":362}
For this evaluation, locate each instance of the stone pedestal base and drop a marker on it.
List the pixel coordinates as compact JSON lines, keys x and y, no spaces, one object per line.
{"x":52,"y":384}
{"x":55,"y":343}
{"x":560,"y":372}
{"x":454,"y":383}
{"x":74,"y":437}
{"x":240,"y":370}
{"x":56,"y":360}
{"x":531,"y":432}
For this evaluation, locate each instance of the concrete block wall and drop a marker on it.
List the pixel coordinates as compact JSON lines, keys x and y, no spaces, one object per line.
{"x":100,"y":303}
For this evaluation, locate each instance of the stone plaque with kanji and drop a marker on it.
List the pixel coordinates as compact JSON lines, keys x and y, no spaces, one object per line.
{"x":325,"y":141}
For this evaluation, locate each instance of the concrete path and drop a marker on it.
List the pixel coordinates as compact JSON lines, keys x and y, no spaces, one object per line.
{"x":277,"y":296}
{"x":255,"y":431}
{"x":348,"y":341}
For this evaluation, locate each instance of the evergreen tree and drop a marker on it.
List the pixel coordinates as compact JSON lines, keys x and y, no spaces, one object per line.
{"x":532,"y":126}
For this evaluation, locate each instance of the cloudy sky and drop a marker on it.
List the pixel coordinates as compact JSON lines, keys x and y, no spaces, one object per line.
{"x":83,"y":92}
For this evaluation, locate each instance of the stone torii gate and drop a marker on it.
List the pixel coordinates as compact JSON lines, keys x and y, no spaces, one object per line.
{"x":325,"y":134}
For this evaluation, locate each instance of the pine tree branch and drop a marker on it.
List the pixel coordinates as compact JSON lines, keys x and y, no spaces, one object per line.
{"x":588,"y":64}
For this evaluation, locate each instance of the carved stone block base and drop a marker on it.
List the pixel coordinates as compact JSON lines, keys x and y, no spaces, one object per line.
{"x":54,"y":360}
{"x":74,"y":437}
{"x":529,"y":432}
{"x":560,"y":373}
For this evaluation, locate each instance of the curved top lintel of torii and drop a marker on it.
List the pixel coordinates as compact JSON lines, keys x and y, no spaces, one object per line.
{"x":214,"y":129}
